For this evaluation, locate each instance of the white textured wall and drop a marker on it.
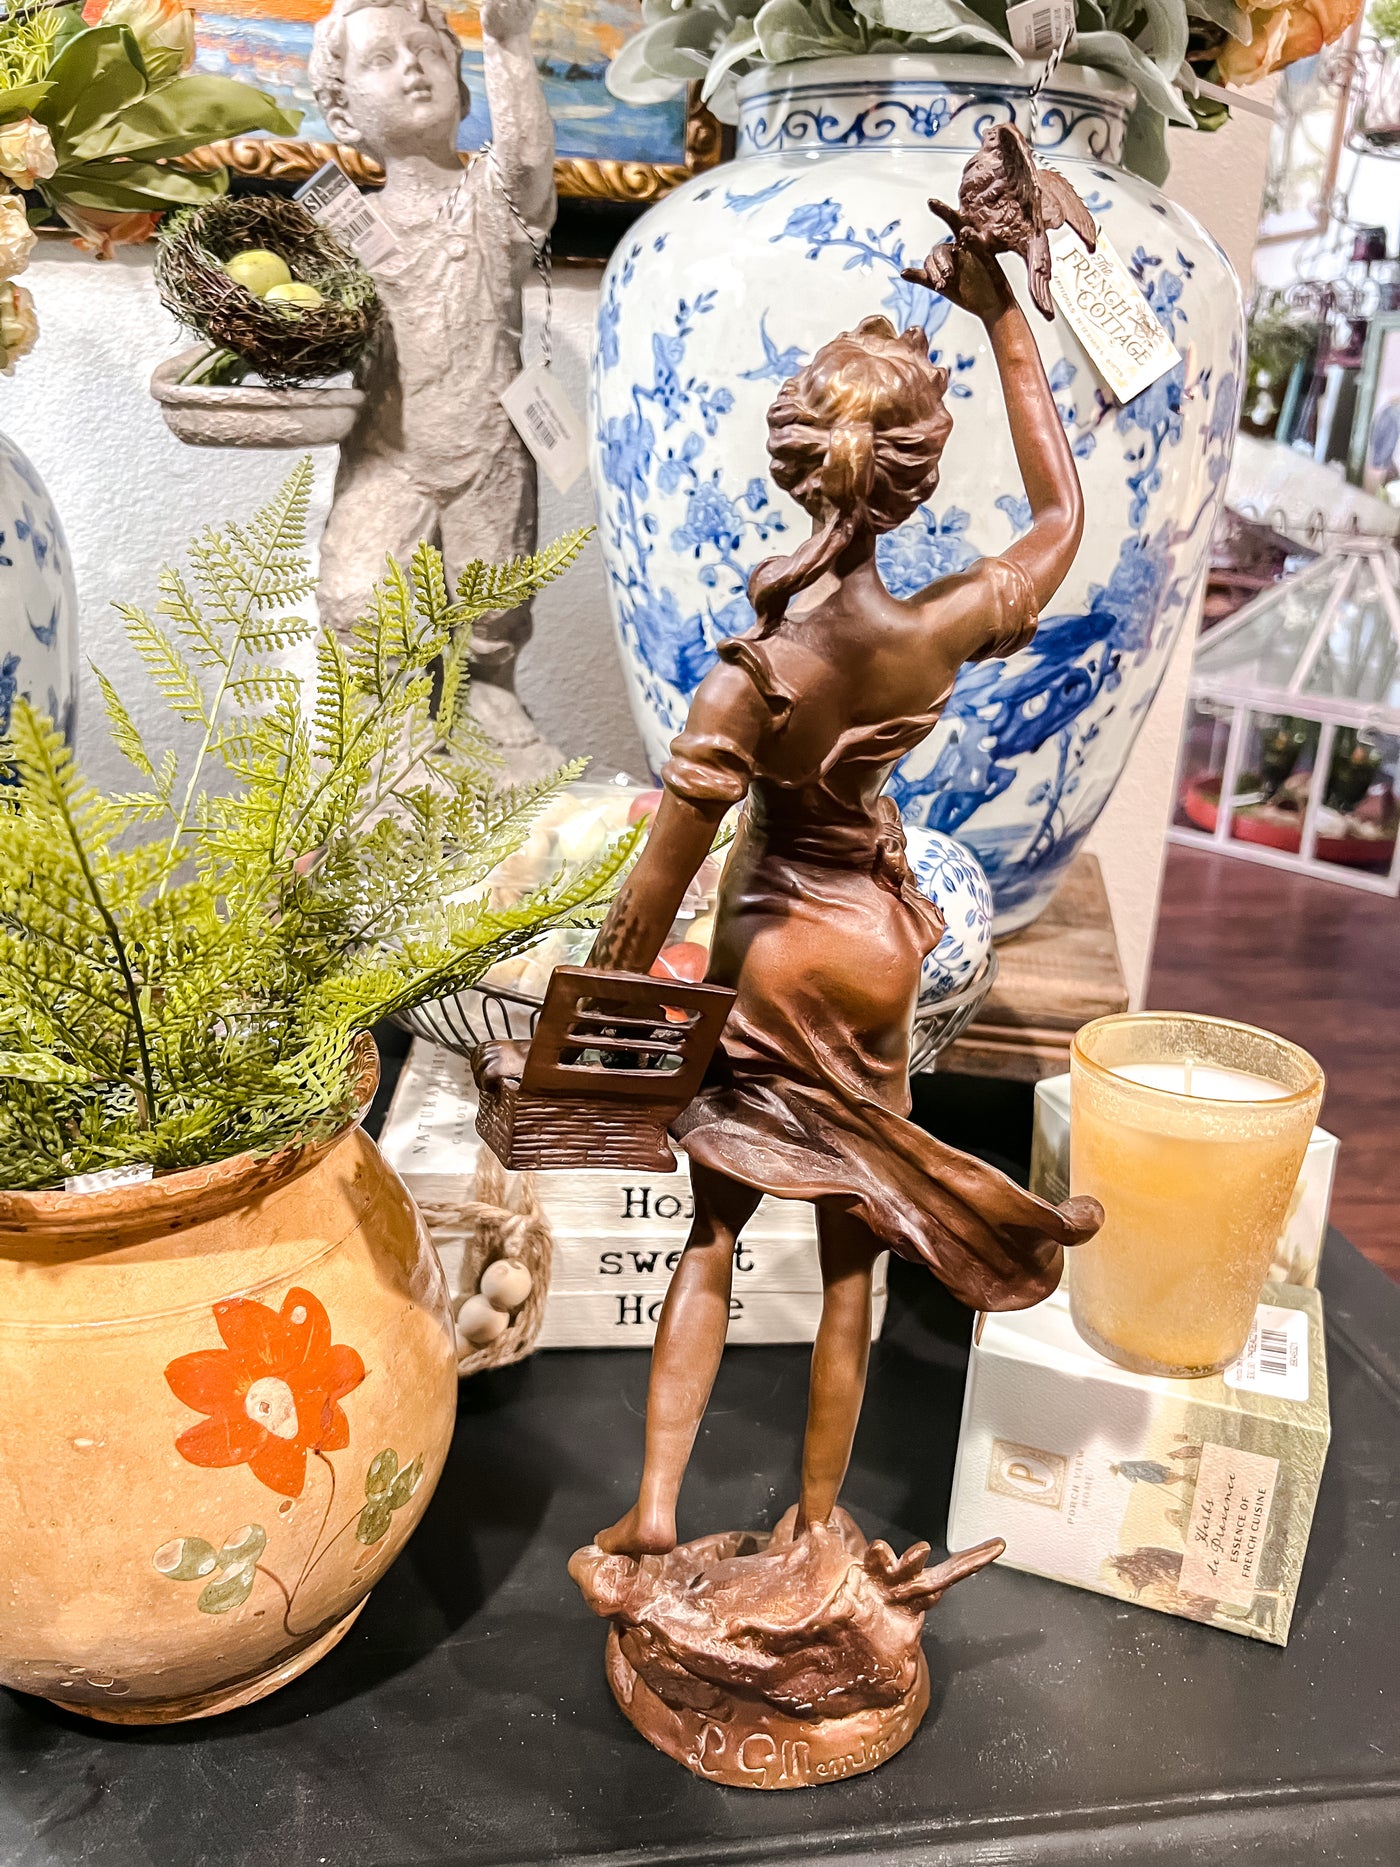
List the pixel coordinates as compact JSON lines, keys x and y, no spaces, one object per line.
{"x":131,"y":494}
{"x":1218,"y":178}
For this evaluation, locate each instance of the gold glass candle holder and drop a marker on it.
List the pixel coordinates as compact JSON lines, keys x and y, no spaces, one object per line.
{"x":1190,"y":1132}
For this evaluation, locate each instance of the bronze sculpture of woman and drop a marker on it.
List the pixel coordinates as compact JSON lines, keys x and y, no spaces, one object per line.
{"x":820,"y":925}
{"x":821,"y":931}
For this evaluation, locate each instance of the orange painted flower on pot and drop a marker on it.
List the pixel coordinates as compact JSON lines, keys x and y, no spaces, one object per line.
{"x":271,"y":1394}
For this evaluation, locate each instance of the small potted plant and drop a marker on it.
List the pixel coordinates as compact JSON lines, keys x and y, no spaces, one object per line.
{"x":228,"y":1364}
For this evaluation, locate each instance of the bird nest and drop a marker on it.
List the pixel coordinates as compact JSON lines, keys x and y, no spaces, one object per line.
{"x":284,"y":344}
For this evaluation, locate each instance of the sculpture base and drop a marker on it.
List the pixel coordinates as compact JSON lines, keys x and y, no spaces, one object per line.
{"x":751,"y":1746}
{"x":772,"y":1661}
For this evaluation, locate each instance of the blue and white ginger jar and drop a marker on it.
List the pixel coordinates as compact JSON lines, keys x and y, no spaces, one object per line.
{"x":38,"y":603}
{"x":730,"y":284}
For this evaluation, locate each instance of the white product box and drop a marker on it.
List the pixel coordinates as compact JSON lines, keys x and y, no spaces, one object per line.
{"x":1304,"y":1231}
{"x":1191,"y":1497}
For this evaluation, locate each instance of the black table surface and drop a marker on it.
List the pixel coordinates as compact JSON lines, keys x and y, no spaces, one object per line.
{"x":465,"y":1718}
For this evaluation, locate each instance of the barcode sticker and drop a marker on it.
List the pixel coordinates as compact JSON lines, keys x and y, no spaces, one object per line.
{"x":548,"y":424}
{"x":1038,"y":26}
{"x":1107,"y":312}
{"x":1275,"y":1358}
{"x":333,"y":199}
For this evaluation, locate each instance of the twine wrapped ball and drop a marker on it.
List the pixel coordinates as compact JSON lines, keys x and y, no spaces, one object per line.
{"x":284,"y":345}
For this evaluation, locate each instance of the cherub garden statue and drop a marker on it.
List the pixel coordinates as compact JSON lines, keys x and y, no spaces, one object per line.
{"x":434,"y":454}
{"x":794,"y":1657}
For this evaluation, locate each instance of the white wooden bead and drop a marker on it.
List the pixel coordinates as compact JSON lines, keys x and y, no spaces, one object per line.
{"x":506,"y":1283}
{"x":479,"y":1323}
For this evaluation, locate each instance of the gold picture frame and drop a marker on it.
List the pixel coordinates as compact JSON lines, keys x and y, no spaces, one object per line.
{"x":286,"y":159}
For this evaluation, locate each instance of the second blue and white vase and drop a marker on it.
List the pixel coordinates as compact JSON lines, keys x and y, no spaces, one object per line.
{"x":38,"y":603}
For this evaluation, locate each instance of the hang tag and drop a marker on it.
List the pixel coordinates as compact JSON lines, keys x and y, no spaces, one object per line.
{"x":1275,"y":1358}
{"x":1105,"y":308}
{"x":333,"y":199}
{"x":548,"y":424}
{"x":1038,"y":26}
{"x":106,"y":1179}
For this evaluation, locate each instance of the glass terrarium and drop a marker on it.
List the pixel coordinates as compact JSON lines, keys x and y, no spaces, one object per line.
{"x":1291,"y":749}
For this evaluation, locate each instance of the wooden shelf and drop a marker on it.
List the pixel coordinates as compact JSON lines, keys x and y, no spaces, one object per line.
{"x":1055,"y":975}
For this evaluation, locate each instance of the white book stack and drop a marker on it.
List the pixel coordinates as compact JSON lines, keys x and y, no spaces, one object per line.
{"x":617,"y":1235}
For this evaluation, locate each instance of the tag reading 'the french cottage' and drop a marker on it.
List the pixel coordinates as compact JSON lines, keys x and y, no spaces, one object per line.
{"x":548,"y":424}
{"x":1107,"y":312}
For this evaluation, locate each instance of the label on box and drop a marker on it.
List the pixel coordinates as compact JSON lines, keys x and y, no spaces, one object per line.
{"x":1275,"y":1358}
{"x":1229,"y":1524}
{"x":333,"y":199}
{"x":1107,"y":312}
{"x":548,"y":424}
{"x":1038,"y":26}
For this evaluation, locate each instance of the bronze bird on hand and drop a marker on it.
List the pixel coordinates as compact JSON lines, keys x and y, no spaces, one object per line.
{"x":1006,"y":204}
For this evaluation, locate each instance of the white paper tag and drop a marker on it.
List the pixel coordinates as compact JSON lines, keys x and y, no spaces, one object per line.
{"x":548,"y":424}
{"x":1275,"y":1358}
{"x":1038,"y":26}
{"x":107,"y":1178}
{"x":1107,"y":312}
{"x":333,"y":199}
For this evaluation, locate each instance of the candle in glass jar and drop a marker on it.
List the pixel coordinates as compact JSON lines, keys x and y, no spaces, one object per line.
{"x":1191,"y":1133}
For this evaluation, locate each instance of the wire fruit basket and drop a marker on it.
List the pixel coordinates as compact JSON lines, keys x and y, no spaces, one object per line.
{"x":487,"y":1014}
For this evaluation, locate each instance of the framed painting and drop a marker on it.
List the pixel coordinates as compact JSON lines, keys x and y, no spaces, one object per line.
{"x":607,"y":150}
{"x":1375,"y":436}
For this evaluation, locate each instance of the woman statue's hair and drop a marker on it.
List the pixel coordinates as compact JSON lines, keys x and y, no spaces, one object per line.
{"x":856,"y":438}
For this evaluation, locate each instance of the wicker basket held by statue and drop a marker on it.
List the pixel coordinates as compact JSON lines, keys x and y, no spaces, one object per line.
{"x":615,"y":1058}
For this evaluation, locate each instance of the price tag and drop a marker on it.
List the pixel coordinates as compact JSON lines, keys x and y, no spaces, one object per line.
{"x":1038,"y":26}
{"x":1104,"y":307}
{"x":107,"y":1179}
{"x":1275,"y":1358}
{"x":333,"y":199}
{"x":548,"y":424}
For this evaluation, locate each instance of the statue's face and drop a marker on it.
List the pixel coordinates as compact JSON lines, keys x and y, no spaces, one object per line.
{"x":402,"y":91}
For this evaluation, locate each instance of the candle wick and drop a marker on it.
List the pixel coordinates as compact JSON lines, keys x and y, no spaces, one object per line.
{"x":1188,"y":1076}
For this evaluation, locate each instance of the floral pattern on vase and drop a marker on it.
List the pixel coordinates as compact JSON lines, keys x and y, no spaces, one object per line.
{"x":271,"y":1394}
{"x":951,"y":876}
{"x":730,"y":284}
{"x":38,"y":603}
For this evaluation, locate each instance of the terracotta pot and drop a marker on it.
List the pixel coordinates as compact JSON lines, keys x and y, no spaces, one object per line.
{"x":227,"y":1397}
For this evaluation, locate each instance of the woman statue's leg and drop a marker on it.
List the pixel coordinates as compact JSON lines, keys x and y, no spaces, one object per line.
{"x":839,"y":1357}
{"x":685,"y":1361}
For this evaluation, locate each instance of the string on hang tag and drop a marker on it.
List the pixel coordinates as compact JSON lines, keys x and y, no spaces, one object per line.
{"x":542,"y":252}
{"x":1057,"y":53}
{"x":543,"y":416}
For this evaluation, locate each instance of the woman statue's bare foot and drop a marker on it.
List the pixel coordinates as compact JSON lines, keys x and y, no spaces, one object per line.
{"x":639,"y":1533}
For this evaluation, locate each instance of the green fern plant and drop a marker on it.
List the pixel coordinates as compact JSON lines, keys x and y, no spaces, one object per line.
{"x":184,"y":966}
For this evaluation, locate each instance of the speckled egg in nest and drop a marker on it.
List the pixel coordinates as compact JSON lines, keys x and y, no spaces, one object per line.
{"x":285,"y":344}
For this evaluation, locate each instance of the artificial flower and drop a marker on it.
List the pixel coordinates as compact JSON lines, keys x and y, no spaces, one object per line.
{"x":102,"y":230}
{"x":163,"y":31}
{"x":271,"y":1394}
{"x":16,"y":236}
{"x":26,"y":152}
{"x":1283,"y":34}
{"x":18,"y":325}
